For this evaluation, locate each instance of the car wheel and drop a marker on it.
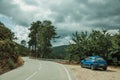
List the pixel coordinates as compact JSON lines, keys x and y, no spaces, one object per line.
{"x":105,"y":68}
{"x":82,"y":65}
{"x":92,"y":67}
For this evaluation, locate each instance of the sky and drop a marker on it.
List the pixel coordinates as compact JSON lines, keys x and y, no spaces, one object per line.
{"x":68,"y":16}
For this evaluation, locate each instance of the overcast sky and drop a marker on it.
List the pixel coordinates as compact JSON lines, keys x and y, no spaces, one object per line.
{"x":68,"y":16}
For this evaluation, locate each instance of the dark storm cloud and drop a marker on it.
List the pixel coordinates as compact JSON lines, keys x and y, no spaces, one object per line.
{"x":105,"y":26}
{"x":67,"y":15}
{"x":84,"y":11}
{"x":7,"y":8}
{"x":10,"y":9}
{"x":110,"y":8}
{"x":66,"y":10}
{"x":80,"y":11}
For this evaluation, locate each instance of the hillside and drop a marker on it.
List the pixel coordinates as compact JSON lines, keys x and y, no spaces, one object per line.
{"x":9,"y":51}
{"x":59,"y":52}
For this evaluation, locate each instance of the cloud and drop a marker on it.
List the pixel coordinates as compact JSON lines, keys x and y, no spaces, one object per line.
{"x":6,"y":20}
{"x":21,"y":33}
{"x":113,"y":31}
{"x":67,"y":15}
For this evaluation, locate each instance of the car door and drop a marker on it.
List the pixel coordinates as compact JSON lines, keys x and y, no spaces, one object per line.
{"x":87,"y":61}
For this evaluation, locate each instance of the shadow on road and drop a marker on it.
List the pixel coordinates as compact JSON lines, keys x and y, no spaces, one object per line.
{"x":104,"y":70}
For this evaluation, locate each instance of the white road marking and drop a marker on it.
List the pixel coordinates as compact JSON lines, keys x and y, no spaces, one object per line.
{"x":68,"y":74}
{"x":34,"y":73}
{"x":31,"y":75}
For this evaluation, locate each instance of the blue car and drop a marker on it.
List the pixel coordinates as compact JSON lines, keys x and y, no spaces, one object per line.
{"x":94,"y":62}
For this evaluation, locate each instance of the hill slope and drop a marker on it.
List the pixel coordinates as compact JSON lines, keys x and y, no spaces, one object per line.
{"x":59,"y":52}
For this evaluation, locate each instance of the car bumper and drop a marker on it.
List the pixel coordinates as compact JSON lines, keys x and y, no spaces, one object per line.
{"x":100,"y":66}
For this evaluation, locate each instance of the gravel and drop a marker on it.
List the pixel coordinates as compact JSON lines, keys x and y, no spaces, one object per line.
{"x":112,"y":73}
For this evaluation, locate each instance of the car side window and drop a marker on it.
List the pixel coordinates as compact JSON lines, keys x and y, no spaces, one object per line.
{"x":89,"y":58}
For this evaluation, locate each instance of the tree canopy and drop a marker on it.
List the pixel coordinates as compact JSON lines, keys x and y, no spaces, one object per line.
{"x":40,"y":35}
{"x":97,"y":42}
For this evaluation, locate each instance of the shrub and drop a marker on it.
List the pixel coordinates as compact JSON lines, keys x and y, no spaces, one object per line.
{"x":10,"y":63}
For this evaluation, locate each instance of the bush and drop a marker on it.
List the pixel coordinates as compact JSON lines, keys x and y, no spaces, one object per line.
{"x":10,"y":63}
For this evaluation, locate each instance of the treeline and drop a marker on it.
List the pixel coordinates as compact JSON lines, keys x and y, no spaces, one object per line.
{"x":100,"y":43}
{"x":40,"y":36}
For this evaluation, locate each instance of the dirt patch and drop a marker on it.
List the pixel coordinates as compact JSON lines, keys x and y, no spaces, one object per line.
{"x":87,"y":74}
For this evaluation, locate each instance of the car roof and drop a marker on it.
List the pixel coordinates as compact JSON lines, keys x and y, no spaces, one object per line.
{"x":93,"y":57}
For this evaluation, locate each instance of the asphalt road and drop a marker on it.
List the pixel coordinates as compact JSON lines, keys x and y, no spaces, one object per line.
{"x":39,"y":70}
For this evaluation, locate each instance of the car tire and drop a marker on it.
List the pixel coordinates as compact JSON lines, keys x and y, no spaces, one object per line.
{"x":92,"y":67}
{"x":82,"y":65}
{"x":105,"y":68}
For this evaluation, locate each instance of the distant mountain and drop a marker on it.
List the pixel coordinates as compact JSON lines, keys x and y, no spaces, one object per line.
{"x":59,"y":52}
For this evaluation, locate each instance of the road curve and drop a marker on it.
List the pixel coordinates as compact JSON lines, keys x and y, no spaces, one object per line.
{"x":39,"y":70}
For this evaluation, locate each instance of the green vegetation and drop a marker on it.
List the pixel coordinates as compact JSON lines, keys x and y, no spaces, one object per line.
{"x":11,"y":64}
{"x":23,"y":50}
{"x":59,"y":52}
{"x":99,"y":43}
{"x":40,"y":35}
{"x":9,"y":51}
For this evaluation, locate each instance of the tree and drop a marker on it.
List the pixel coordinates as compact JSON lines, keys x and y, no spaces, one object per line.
{"x":23,"y":42}
{"x":33,"y":35}
{"x":80,"y":48}
{"x":81,"y":41}
{"x":116,"y":44}
{"x":40,"y":37}
{"x":45,"y":34}
{"x":96,"y":43}
{"x":100,"y":43}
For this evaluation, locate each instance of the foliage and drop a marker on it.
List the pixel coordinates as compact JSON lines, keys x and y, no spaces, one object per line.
{"x":11,"y":63}
{"x":99,"y":43}
{"x":8,"y":48}
{"x":5,"y":33}
{"x":22,"y":50}
{"x":7,"y":45}
{"x":59,"y":52}
{"x":40,"y":35}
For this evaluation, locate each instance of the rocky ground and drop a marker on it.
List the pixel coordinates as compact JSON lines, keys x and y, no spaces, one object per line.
{"x":113,"y":73}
